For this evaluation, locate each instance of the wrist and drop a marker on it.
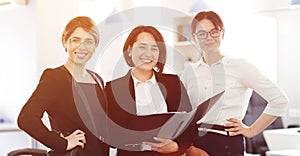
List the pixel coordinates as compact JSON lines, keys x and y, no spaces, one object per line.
{"x":251,"y":131}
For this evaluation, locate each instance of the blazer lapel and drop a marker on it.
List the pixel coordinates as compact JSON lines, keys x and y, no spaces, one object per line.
{"x":161,"y":83}
{"x":131,"y":106}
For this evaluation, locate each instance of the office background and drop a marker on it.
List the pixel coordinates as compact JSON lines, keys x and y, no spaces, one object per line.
{"x":266,"y":32}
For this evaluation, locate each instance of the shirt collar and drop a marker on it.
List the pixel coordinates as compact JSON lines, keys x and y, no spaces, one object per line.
{"x":201,"y":62}
{"x":136,"y":82}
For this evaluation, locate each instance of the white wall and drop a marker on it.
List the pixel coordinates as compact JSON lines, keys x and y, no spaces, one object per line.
{"x":30,"y":41}
{"x":288,"y":52}
{"x":289,"y":59}
{"x":18,"y":68}
{"x":52,"y":17}
{"x":18,"y":58}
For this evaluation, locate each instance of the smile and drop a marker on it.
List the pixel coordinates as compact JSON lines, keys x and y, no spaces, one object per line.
{"x":80,"y":54}
{"x":146,"y":60}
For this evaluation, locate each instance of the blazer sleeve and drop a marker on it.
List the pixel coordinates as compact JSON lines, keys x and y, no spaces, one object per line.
{"x":32,"y":112}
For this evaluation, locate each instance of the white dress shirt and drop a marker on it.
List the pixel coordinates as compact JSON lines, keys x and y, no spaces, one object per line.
{"x":237,"y":77}
{"x":148,"y":96}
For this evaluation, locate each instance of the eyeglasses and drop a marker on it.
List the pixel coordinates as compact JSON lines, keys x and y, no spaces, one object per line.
{"x":214,"y":33}
{"x":88,"y":43}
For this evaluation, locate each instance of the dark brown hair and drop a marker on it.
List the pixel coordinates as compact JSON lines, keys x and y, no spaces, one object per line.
{"x":209,"y":15}
{"x":86,"y":23}
{"x":132,"y":38}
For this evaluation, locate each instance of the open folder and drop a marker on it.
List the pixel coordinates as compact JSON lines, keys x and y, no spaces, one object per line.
{"x":172,"y":125}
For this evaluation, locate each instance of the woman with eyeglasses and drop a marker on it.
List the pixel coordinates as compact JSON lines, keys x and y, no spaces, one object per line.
{"x":220,"y":131}
{"x":70,"y":94}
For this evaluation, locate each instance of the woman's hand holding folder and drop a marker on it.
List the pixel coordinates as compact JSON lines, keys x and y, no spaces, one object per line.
{"x":163,"y":145}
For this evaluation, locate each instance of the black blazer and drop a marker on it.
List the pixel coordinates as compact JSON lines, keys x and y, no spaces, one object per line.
{"x":122,"y":107}
{"x":54,"y":95}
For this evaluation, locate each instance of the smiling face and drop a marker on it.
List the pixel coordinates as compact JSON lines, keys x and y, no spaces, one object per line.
{"x":145,"y":52}
{"x":212,"y":42}
{"x":80,"y":47}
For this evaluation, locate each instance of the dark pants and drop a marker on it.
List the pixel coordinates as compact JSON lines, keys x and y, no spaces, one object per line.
{"x":220,"y":145}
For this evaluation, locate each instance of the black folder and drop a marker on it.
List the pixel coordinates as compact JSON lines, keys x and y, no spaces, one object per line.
{"x":172,"y":125}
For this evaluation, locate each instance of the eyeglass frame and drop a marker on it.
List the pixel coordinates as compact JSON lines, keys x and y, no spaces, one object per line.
{"x":206,"y":33}
{"x":85,"y":42}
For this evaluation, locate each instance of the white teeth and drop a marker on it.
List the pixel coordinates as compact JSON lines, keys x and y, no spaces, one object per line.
{"x":146,"y":60}
{"x":81,"y":54}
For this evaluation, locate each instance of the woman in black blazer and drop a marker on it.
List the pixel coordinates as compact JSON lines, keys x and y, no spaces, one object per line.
{"x":69,"y":94}
{"x":145,"y":90}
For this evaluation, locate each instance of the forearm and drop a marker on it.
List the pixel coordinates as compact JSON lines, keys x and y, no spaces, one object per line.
{"x":261,"y":123}
{"x":35,"y":128}
{"x":236,"y":127}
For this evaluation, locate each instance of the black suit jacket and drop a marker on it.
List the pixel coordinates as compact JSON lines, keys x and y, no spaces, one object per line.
{"x":122,"y":106}
{"x":54,"y":95}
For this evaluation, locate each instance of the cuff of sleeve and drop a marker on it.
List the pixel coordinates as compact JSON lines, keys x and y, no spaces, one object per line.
{"x":57,"y":143}
{"x":181,"y":146}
